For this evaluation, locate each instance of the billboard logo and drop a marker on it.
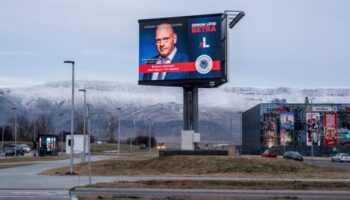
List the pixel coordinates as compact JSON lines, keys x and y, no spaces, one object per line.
{"x":204,"y":64}
{"x":204,"y":44}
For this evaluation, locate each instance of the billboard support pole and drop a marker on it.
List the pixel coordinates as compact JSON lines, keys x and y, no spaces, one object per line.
{"x":190,"y":110}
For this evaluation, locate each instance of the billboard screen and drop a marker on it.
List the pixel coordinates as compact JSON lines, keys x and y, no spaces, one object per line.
{"x":270,"y":129}
{"x":286,"y":128}
{"x":183,"y":50}
{"x":313,"y":129}
{"x":330,"y":128}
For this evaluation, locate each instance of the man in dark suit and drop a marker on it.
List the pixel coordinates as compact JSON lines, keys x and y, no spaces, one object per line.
{"x":166,"y":38}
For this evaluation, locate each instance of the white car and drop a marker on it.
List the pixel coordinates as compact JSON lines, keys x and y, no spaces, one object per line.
{"x":25,"y":147}
{"x":341,"y":157}
{"x":345,"y":158}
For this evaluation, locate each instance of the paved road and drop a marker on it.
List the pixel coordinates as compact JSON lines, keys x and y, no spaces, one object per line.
{"x":34,"y":194}
{"x":206,"y":192}
{"x":24,"y":183}
{"x":25,"y":177}
{"x":326,"y":162}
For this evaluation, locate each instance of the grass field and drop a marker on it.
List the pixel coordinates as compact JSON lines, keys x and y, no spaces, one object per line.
{"x":216,"y":166}
{"x":218,"y":184}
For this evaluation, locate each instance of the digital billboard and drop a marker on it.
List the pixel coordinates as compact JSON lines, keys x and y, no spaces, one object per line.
{"x":330,"y":128}
{"x":313,"y":129}
{"x":270,"y":129}
{"x":287,"y":128}
{"x":183,"y":51}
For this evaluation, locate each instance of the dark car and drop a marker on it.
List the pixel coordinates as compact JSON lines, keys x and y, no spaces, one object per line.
{"x":294,"y":155}
{"x":12,"y":148}
{"x":269,"y":154}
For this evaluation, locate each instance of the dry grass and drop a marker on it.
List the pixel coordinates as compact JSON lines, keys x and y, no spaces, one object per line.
{"x":202,"y":198}
{"x":21,"y":159}
{"x":217,"y":184}
{"x":220,"y":166}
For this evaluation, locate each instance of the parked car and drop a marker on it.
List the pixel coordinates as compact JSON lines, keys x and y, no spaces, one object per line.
{"x":294,"y":155}
{"x":269,"y":153}
{"x":341,"y":157}
{"x":12,"y":148}
{"x":25,"y":147}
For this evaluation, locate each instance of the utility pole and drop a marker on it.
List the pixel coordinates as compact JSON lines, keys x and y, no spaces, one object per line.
{"x":89,"y":138}
{"x":15,"y":110}
{"x":84,"y":119}
{"x":119,"y":113}
{"x":149,"y":137}
{"x":72,"y":119}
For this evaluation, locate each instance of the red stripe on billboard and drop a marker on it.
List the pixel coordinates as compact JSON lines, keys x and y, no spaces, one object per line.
{"x":330,"y":128}
{"x":174,"y":67}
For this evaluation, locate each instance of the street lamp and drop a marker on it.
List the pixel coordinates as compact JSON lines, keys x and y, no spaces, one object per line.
{"x":312,"y":142}
{"x":84,"y":140}
{"x":89,"y":136}
{"x":149,"y":136}
{"x":133,"y":132}
{"x":231,"y":131}
{"x":62,"y":142}
{"x":72,"y":118}
{"x":119,"y":113}
{"x":3,"y":133}
{"x":15,"y":111}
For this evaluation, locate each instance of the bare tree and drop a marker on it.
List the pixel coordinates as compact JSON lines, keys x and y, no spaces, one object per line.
{"x":24,"y":128}
{"x":79,"y":129}
{"x":44,"y":124}
{"x":8,"y":133}
{"x":111,"y":127}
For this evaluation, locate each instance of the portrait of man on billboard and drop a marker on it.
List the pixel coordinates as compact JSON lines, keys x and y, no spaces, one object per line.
{"x":165,"y":41}
{"x":181,"y":50}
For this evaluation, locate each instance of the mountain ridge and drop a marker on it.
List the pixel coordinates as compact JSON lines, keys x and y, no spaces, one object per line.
{"x":161,"y":104}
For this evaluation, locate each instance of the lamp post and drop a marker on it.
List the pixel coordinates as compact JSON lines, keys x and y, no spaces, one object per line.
{"x":72,"y":118}
{"x":119,"y":113}
{"x":84,"y":140}
{"x":231,"y":131}
{"x":312,"y":142}
{"x":3,"y":133}
{"x":15,"y":111}
{"x":89,"y":136}
{"x":62,"y":142}
{"x":149,"y":136}
{"x":34,"y":124}
{"x":133,"y":132}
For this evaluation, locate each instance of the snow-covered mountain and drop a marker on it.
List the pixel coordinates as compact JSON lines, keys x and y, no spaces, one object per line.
{"x":163,"y":105}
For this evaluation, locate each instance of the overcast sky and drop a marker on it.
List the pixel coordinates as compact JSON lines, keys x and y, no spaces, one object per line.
{"x":293,"y":43}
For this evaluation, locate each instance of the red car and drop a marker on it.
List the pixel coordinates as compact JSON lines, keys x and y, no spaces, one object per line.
{"x":269,"y":153}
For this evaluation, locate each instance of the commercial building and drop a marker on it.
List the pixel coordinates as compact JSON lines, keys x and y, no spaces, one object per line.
{"x":311,"y":129}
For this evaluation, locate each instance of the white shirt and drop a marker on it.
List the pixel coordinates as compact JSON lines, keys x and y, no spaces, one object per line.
{"x":162,"y":60}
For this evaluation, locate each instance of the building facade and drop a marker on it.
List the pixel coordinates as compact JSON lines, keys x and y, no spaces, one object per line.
{"x":311,"y":129}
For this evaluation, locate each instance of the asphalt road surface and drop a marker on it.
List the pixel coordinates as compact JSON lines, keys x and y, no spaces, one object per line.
{"x":205,"y":192}
{"x":326,"y":162}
